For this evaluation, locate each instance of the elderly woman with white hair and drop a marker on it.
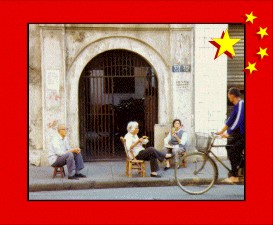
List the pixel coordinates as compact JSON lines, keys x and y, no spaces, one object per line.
{"x":134,"y":143}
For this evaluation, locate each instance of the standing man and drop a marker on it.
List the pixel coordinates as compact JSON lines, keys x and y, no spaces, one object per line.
{"x":235,"y":127}
{"x":60,"y":154}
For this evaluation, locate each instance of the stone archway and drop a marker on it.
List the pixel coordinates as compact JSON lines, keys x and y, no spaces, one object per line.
{"x":115,"y":87}
{"x":112,"y":43}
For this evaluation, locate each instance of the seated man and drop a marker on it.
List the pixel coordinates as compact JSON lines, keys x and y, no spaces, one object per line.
{"x":60,"y":154}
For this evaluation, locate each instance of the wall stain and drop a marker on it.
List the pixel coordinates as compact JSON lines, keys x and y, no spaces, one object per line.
{"x":53,"y":124}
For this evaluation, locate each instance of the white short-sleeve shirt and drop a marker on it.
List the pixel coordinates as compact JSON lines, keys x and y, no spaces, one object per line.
{"x":131,"y":139}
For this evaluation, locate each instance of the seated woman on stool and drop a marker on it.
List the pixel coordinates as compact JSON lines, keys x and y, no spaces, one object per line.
{"x":134,"y":143}
{"x":176,"y":142}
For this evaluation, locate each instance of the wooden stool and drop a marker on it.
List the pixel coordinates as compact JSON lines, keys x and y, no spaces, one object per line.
{"x":138,"y":165}
{"x":58,"y":170}
{"x":131,"y":165}
{"x":183,"y":162}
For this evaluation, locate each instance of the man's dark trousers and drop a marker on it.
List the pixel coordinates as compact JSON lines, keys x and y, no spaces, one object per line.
{"x":151,"y":154}
{"x":234,"y":152}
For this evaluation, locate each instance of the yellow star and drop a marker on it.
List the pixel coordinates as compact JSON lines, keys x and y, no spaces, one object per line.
{"x":262,"y":52}
{"x":262,"y":32}
{"x":226,"y":44}
{"x":251,"y":67}
{"x":250,"y":17}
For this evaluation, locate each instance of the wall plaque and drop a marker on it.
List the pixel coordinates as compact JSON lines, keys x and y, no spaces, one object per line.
{"x":182,"y":85}
{"x":181,"y":68}
{"x":53,"y":80}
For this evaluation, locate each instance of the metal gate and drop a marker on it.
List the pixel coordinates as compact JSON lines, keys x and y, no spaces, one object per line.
{"x":115,"y":87}
{"x":235,"y":66}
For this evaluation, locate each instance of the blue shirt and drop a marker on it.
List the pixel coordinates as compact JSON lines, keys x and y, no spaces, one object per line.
{"x":237,"y":118}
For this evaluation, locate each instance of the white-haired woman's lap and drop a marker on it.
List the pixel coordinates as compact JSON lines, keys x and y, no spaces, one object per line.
{"x":135,"y":145}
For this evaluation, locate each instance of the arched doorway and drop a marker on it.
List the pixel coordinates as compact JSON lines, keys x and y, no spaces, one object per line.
{"x":115,"y":87}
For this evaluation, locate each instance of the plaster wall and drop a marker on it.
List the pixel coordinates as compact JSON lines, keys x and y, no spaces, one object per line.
{"x":210,"y":82}
{"x":197,"y":96}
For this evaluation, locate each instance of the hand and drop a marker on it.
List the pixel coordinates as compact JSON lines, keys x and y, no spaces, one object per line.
{"x":77,"y":150}
{"x":140,"y":140}
{"x":219,"y":133}
{"x":224,"y":135}
{"x":176,"y":137}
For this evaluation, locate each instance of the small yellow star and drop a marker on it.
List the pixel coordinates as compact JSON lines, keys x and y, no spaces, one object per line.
{"x":262,"y":32}
{"x":250,"y":17}
{"x":262,"y":52}
{"x":251,"y":67}
{"x":226,"y":44}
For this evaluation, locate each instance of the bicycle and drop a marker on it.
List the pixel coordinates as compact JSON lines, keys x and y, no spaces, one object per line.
{"x":202,"y":171}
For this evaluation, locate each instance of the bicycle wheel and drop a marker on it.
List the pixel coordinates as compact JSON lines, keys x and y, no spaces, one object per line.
{"x":200,"y":174}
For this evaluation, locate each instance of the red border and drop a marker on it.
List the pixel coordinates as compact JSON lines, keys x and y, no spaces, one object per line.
{"x":14,"y":207}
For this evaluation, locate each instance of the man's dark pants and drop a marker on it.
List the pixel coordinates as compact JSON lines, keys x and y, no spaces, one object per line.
{"x":151,"y":154}
{"x":72,"y":160}
{"x":234,"y":152}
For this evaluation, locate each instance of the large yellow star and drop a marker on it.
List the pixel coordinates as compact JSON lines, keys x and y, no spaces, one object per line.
{"x":262,"y":32}
{"x":251,"y":67}
{"x":250,"y":17}
{"x":226,"y":44}
{"x":262,"y":52}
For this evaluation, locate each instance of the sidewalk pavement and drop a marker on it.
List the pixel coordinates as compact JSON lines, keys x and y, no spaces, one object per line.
{"x":105,"y":175}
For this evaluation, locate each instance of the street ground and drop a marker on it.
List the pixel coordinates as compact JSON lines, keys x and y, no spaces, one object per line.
{"x":104,"y":175}
{"x":217,"y":192}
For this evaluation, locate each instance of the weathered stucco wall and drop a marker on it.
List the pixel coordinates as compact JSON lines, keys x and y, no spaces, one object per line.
{"x":53,"y":73}
{"x":79,"y":37}
{"x":182,"y":79}
{"x":62,"y":51}
{"x":210,"y":82}
{"x":35,"y":89}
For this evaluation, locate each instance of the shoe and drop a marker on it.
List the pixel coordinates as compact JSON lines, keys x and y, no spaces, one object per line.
{"x":158,"y":176}
{"x":80,"y":175}
{"x":231,"y":180}
{"x":73,"y":177}
{"x":167,"y":168}
{"x":184,"y":165}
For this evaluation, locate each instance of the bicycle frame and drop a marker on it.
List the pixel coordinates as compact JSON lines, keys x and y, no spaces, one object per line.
{"x":199,"y":181}
{"x":215,"y":156}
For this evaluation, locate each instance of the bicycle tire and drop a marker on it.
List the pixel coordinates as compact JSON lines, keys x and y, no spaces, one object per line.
{"x":200,"y":174}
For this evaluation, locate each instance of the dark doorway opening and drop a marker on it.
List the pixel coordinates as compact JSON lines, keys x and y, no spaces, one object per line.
{"x":115,"y":87}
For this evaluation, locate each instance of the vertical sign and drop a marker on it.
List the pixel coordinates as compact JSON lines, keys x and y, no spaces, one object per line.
{"x":53,"y":80}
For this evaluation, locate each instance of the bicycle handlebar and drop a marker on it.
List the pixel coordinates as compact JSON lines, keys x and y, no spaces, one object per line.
{"x":214,"y":135}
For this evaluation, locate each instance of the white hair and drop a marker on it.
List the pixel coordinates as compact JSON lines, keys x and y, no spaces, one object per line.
{"x":132,"y":126}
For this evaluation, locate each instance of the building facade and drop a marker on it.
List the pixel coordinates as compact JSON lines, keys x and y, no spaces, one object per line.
{"x":95,"y":78}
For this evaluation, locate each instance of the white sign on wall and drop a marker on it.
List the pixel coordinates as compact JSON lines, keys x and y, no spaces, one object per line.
{"x":182,"y":85}
{"x":53,"y":80}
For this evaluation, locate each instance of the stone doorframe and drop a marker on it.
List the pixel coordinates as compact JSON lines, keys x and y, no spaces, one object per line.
{"x":111,"y":43}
